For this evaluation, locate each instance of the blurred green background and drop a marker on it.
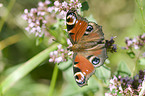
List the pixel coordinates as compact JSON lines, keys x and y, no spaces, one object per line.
{"x":121,"y":18}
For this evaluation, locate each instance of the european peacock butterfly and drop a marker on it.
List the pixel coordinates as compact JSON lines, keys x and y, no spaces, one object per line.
{"x":88,"y":46}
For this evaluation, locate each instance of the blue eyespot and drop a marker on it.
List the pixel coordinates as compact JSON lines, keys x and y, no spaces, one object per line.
{"x":95,"y":60}
{"x":89,"y":28}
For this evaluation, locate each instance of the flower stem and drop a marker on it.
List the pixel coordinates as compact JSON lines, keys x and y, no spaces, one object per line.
{"x":25,"y":69}
{"x":6,"y":14}
{"x":53,"y":80}
{"x":10,"y":40}
{"x":136,"y":62}
{"x":140,"y":5}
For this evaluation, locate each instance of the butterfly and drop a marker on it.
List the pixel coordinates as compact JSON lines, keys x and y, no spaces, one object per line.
{"x":88,"y":43}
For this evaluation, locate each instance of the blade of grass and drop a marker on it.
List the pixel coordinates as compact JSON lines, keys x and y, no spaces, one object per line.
{"x":3,"y":19}
{"x":140,"y":5}
{"x":25,"y":69}
{"x":53,"y":80}
{"x":10,"y":40}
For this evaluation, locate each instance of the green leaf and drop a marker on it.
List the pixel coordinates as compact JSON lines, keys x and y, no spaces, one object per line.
{"x":65,"y":65}
{"x":142,"y":61}
{"x":39,"y":40}
{"x":123,"y":69}
{"x":85,"y":6}
{"x":103,"y":72}
{"x":131,"y":54}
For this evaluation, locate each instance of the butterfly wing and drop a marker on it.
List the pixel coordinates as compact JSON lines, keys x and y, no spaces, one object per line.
{"x":95,"y":50}
{"x":83,"y":69}
{"x":93,"y":55}
{"x":76,"y":25}
{"x":84,"y":64}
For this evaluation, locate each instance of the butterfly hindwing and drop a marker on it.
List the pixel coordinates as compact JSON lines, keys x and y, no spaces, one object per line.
{"x":83,"y":69}
{"x":94,"y":43}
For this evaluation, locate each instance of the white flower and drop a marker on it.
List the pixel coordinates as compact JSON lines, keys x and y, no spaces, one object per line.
{"x":62,"y":14}
{"x":61,"y":50}
{"x":37,"y":22}
{"x":129,"y":42}
{"x":111,"y":81}
{"x":32,"y":24}
{"x":134,"y":40}
{"x":58,"y":60}
{"x":33,"y":30}
{"x":112,"y":87}
{"x":51,"y":54}
{"x":50,"y":60}
{"x":26,"y":11}
{"x":143,"y":54}
{"x":64,"y":4}
{"x":47,"y":2}
{"x":56,"y":3}
{"x":120,"y":88}
{"x":38,"y":28}
{"x":24,"y":17}
{"x":44,"y":21}
{"x":59,"y":46}
{"x":55,"y":52}
{"x":50,"y":9}
{"x":1,"y":5}
{"x":36,"y":34}
{"x":143,"y":35}
{"x":40,"y":4}
{"x":42,"y":13}
{"x":79,"y":5}
{"x":33,"y":10}
{"x":27,"y":29}
{"x":56,"y":9}
{"x":30,"y":14}
{"x":136,"y":47}
{"x":72,"y":0}
{"x":69,"y":42}
{"x":108,"y":94}
{"x":29,"y":20}
{"x":41,"y":34}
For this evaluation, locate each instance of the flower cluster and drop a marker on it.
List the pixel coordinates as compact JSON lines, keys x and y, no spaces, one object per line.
{"x":111,"y":47}
{"x":135,"y":43}
{"x":36,"y":18}
{"x":61,"y":54}
{"x":45,"y":13}
{"x":126,"y":86}
{"x":61,"y":8}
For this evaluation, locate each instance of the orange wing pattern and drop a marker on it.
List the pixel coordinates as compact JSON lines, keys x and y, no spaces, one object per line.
{"x":83,"y":69}
{"x":76,"y":26}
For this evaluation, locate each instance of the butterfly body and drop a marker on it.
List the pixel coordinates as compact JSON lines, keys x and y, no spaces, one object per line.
{"x":88,"y":46}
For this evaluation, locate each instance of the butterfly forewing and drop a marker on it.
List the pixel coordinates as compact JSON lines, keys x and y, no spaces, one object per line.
{"x":76,"y":25}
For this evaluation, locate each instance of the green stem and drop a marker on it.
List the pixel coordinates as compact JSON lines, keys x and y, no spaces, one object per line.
{"x":141,"y":11}
{"x":136,"y":62}
{"x":53,"y":81}
{"x":3,"y":19}
{"x":25,"y":68}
